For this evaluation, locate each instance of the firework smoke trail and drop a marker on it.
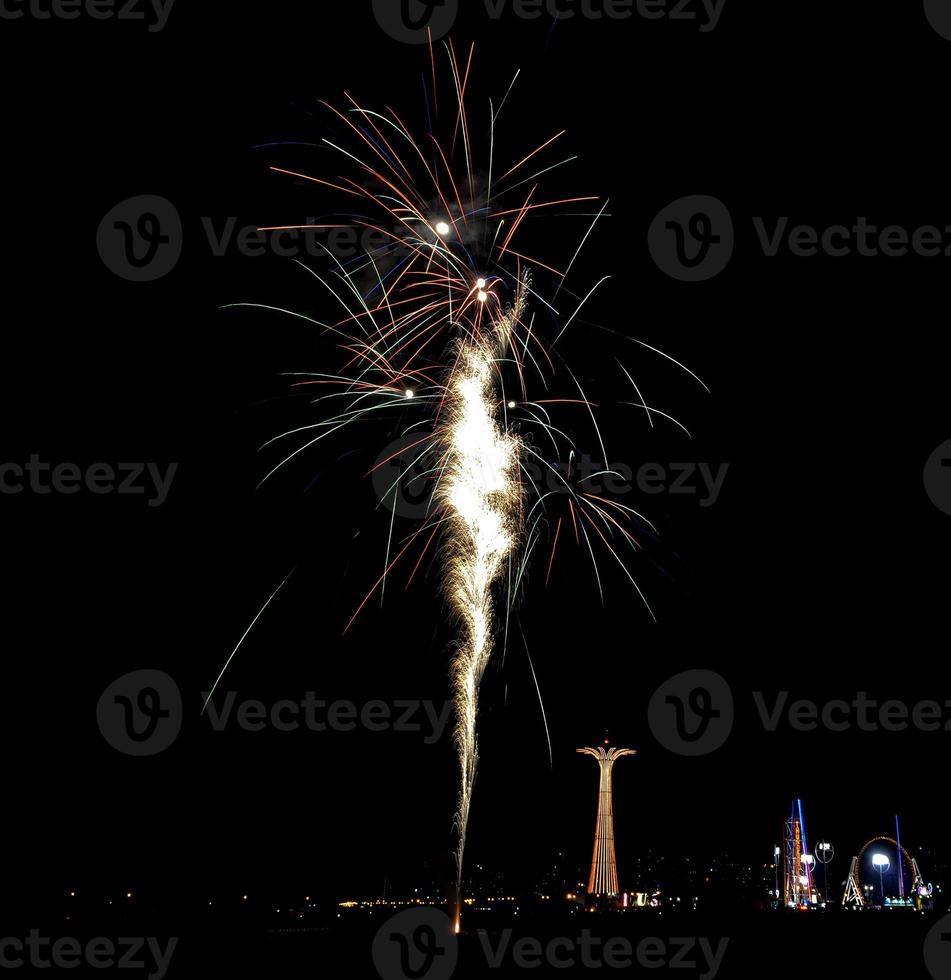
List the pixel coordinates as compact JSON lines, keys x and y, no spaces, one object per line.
{"x":481,"y":492}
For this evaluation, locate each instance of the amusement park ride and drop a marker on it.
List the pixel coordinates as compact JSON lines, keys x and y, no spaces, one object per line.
{"x":799,"y":886}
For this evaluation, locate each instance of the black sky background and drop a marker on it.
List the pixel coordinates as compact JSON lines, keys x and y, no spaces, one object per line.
{"x":818,"y":571}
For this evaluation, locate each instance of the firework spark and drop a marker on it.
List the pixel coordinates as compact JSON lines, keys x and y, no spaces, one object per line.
{"x":442,"y":323}
{"x":481,"y":492}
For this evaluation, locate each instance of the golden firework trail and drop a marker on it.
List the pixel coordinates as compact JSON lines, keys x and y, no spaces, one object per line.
{"x":481,"y":493}
{"x":443,"y":331}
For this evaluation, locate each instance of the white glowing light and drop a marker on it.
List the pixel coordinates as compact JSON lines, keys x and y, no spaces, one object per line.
{"x":481,"y":491}
{"x":410,"y":393}
{"x":481,"y":284}
{"x":442,"y":229}
{"x":483,"y":296}
{"x":513,"y":405}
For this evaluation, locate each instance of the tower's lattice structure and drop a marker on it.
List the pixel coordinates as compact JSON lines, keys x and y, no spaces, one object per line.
{"x":797,"y":882}
{"x":853,"y":888}
{"x":602,"y":881}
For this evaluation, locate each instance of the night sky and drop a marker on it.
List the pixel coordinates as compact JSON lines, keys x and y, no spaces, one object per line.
{"x":818,"y":570}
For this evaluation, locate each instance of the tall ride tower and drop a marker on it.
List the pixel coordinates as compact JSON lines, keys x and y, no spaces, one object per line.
{"x":603,"y":879}
{"x":798,"y":889}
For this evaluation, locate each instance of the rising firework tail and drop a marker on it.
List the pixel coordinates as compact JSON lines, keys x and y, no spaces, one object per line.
{"x":481,"y":494}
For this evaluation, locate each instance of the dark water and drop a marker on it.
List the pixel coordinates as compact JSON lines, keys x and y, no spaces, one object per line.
{"x":818,"y":945}
{"x":868,"y":944}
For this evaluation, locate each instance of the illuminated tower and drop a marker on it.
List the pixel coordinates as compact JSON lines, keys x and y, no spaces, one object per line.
{"x":603,"y":879}
{"x":798,"y":888}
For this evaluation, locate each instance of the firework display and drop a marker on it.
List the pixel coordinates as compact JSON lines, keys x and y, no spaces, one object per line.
{"x":446,"y":327}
